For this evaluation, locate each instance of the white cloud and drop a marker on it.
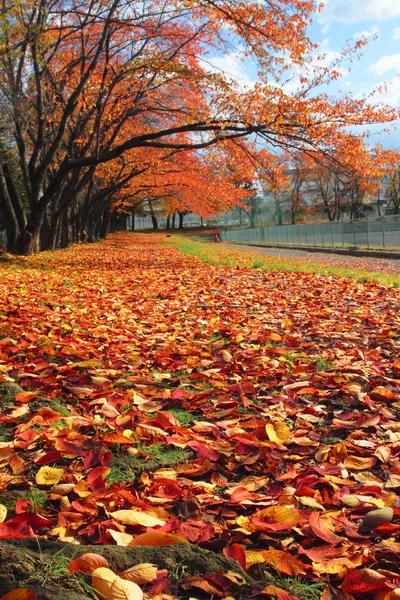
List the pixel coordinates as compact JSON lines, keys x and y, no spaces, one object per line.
{"x":396,"y":33}
{"x":388,"y":93}
{"x":365,"y":33}
{"x":385,"y":63}
{"x":356,"y":11}
{"x":232,"y":66}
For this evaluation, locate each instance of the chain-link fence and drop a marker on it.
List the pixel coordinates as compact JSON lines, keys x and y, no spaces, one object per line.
{"x":383,"y":232}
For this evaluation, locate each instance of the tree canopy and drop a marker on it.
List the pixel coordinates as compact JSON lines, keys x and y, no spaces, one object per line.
{"x":100,"y":99}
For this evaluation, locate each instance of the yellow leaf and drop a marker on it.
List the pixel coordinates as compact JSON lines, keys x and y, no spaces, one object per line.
{"x":87,"y":363}
{"x":121,"y":589}
{"x":48,"y":476}
{"x":277,"y":432}
{"x":3,"y":513}
{"x":135,"y":517}
{"x":143,"y":573}
{"x":253,"y":558}
{"x":102,"y":579}
{"x":287,"y":324}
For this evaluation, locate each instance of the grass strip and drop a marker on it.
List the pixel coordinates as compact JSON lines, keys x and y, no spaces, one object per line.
{"x":215,"y":254}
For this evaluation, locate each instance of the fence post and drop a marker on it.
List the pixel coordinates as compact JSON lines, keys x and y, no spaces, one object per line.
{"x":368,"y":234}
{"x":383,"y":232}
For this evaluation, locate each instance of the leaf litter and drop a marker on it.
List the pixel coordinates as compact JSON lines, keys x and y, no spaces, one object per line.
{"x":266,"y":405}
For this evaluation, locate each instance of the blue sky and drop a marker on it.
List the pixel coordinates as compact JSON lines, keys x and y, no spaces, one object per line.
{"x":338,"y":22}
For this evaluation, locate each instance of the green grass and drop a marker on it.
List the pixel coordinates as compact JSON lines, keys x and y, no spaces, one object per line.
{"x":54,"y":570}
{"x":184,"y":417}
{"x":303,"y":589}
{"x":215,"y":254}
{"x":127,"y":468}
{"x":38,"y":498}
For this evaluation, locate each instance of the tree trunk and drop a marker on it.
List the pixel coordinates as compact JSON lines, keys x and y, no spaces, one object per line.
{"x":173,"y":220}
{"x":104,"y":223}
{"x":11,"y":221}
{"x":181,"y":217}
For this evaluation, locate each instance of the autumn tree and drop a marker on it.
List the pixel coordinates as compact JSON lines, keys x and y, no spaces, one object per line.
{"x":392,"y":188}
{"x":84,"y":83}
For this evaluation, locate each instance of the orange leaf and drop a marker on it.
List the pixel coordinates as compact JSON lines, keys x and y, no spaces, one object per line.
{"x":359,"y":463}
{"x":321,"y":529}
{"x":110,"y":439}
{"x":283,"y":562}
{"x":20,"y":594}
{"x":88,"y":562}
{"x":158,"y":538}
{"x":25,"y":397}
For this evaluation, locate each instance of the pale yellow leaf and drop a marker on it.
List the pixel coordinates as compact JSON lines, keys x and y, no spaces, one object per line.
{"x":135,"y":517}
{"x":142,"y":573}
{"x":102,"y":579}
{"x":121,"y":589}
{"x":3,"y":513}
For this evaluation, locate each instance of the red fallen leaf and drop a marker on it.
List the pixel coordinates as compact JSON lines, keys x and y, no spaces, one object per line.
{"x":363,"y":581}
{"x":387,"y":529}
{"x":204,"y":585}
{"x":203,"y":451}
{"x":16,"y":530}
{"x":50,"y":457}
{"x":32,"y":519}
{"x":87,"y":563}
{"x":22,"y":506}
{"x":196,"y":532}
{"x":320,"y":528}
{"x":96,"y":478}
{"x":236,"y":552}
{"x":111,"y":439}
{"x":178,"y":395}
{"x":319,"y":554}
{"x":20,"y":594}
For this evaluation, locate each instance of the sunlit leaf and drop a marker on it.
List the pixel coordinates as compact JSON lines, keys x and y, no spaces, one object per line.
{"x":88,"y":562}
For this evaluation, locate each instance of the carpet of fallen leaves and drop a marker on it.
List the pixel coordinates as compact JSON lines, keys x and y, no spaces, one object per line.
{"x":251,"y":413}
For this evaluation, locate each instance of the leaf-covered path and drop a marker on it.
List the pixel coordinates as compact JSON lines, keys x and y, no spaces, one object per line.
{"x":251,"y":413}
